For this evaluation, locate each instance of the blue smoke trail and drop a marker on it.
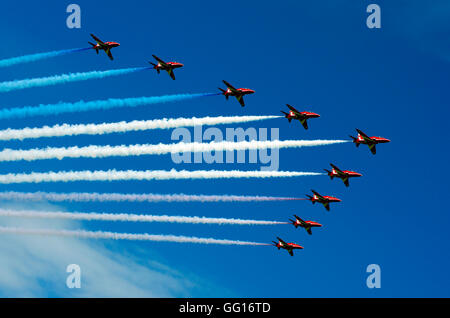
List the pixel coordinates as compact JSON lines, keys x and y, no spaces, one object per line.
{"x":53,"y":109}
{"x":38,"y":56}
{"x":65,"y":78}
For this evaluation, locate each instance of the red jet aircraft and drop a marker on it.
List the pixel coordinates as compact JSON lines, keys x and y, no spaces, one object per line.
{"x":300,"y":116}
{"x":324,"y":199}
{"x":169,"y":66}
{"x":307,"y":225}
{"x":370,"y":141}
{"x":236,"y":92}
{"x":105,"y":46}
{"x":342,"y":174}
{"x":290,"y":247}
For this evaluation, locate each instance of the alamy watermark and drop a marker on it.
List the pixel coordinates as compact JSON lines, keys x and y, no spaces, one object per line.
{"x":269,"y":158}
{"x":74,"y":278}
{"x":374,"y":279}
{"x":374,"y":19}
{"x":73,"y":21}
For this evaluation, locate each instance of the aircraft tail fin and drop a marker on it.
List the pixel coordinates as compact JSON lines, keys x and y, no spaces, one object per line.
{"x":355,"y":140}
{"x":223,"y":91}
{"x":329,"y":174}
{"x":293,"y":223}
{"x":94,"y":46}
{"x":154,"y":66}
{"x":286,"y":115}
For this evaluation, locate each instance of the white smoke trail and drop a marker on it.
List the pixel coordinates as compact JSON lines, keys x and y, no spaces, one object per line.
{"x":115,"y":175}
{"x":65,"y":78}
{"x":123,"y":236}
{"x":120,"y":127}
{"x":122,"y":197}
{"x":38,"y":56}
{"x":159,"y":149}
{"x":82,"y":106}
{"x":126,"y":217}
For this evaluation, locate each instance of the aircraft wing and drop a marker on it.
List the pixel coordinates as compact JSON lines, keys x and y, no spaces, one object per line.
{"x":108,"y":52}
{"x":281,"y":241}
{"x":240,"y":100}
{"x":346,"y":182}
{"x":97,"y":39}
{"x":327,"y":206}
{"x":339,"y":172}
{"x":293,"y":109}
{"x":304,"y":123}
{"x":171,"y":73}
{"x":335,"y":168}
{"x":229,"y":86}
{"x":318,"y":195}
{"x":309,"y":230}
{"x":365,"y":137}
{"x":159,"y":60}
{"x":373,"y":148}
{"x":291,"y":252}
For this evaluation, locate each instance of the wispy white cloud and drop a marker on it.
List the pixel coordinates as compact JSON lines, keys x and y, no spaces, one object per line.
{"x":33,"y":266}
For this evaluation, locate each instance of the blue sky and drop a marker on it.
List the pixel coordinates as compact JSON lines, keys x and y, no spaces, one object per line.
{"x":319,"y":56}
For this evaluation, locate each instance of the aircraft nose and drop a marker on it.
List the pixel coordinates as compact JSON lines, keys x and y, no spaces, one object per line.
{"x":252,"y":91}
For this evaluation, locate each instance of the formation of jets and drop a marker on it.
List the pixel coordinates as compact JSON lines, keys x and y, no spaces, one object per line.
{"x":293,"y":114}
